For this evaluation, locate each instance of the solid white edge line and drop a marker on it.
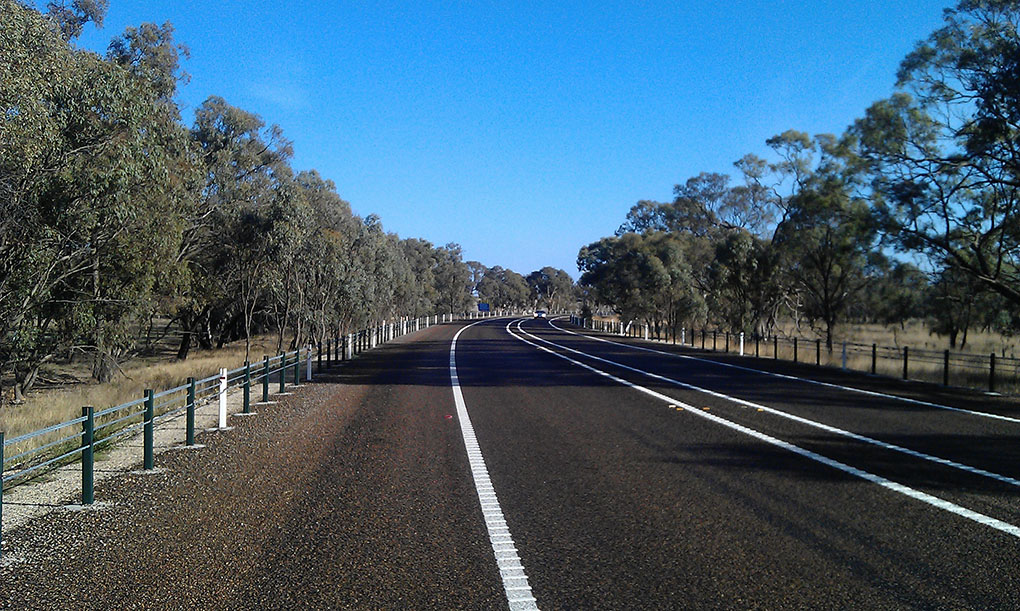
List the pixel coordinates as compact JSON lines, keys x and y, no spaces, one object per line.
{"x":511,"y":571}
{"x":789,"y":377}
{"x":777,"y":412}
{"x":924,"y":497}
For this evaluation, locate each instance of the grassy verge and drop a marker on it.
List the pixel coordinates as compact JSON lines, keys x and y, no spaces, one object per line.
{"x":63,"y":403}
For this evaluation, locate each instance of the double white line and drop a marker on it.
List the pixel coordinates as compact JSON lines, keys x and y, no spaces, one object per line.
{"x":999,"y":525}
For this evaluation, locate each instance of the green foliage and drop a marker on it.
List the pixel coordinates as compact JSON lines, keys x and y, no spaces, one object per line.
{"x":643,"y":276}
{"x":112,"y":213}
{"x":942,"y":152}
{"x":77,"y":136}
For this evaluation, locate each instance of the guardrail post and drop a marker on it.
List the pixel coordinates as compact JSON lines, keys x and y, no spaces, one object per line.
{"x":283,"y":371}
{"x":874,"y":358}
{"x":147,"y":452}
{"x":308,"y":364}
{"x":297,"y":367}
{"x":88,"y":429}
{"x":906,"y":354}
{"x":844,"y":355}
{"x":265,"y":379}
{"x":223,"y":398}
{"x":818,"y":352}
{"x":775,"y":347}
{"x":247,"y":387}
{"x":189,"y":435}
{"x":318,"y":357}
{"x":991,"y":373}
{"x":329,"y":354}
{"x":715,"y":336}
{"x":945,"y":368}
{"x":795,"y":350}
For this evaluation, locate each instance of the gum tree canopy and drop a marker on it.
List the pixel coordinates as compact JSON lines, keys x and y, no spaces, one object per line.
{"x":944,"y":151}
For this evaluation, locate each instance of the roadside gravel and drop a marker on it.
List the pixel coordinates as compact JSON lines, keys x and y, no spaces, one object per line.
{"x":351,"y":493}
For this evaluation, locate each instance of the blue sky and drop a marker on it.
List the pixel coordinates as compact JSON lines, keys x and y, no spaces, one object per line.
{"x":525,"y":130}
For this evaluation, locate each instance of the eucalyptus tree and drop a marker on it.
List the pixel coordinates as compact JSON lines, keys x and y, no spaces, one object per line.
{"x":944,"y":151}
{"x":453,"y":280}
{"x":503,"y":288}
{"x":91,"y":161}
{"x":642,"y":276}
{"x":151,"y":54}
{"x":828,"y":239}
{"x":746,"y":282}
{"x":247,"y":183}
{"x":420,"y":297}
{"x":477,"y":270}
{"x":69,"y":18}
{"x":552,"y":287}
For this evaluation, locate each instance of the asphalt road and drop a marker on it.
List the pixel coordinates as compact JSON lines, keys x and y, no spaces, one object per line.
{"x":630,"y":476}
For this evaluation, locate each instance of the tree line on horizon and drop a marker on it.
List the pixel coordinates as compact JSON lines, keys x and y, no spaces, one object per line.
{"x":116,"y":215}
{"x":912,"y":212}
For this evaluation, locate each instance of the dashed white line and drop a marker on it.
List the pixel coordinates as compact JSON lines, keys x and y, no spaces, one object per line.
{"x":515,"y":581}
{"x":924,"y":497}
{"x":776,"y":412}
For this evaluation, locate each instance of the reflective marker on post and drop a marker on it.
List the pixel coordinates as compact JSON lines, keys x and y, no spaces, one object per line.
{"x":189,"y":435}
{"x":283,"y":371}
{"x":265,"y":379}
{"x":88,"y":456}
{"x":223,"y":398}
{"x":147,"y":452}
{"x":247,"y":387}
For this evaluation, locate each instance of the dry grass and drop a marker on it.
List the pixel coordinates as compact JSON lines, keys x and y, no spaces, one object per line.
{"x":51,"y":406}
{"x":969,"y":366}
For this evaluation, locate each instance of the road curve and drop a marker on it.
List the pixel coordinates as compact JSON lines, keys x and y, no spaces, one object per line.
{"x":357,"y":491}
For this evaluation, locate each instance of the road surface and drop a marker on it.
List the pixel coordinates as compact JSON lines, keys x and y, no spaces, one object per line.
{"x":561,"y":472}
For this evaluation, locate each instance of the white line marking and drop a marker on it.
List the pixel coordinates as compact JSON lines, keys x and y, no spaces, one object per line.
{"x":934,"y":501}
{"x":812,"y":423}
{"x":515,"y":582}
{"x":789,"y":377}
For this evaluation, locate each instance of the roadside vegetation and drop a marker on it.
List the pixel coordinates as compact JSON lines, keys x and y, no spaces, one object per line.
{"x":911,"y":214}
{"x":136,"y":243}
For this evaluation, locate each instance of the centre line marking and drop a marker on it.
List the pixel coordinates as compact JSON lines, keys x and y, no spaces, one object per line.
{"x":934,"y":501}
{"x":778,"y":412}
{"x":515,"y":581}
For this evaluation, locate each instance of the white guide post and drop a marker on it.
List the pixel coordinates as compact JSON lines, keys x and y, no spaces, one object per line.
{"x":741,"y":343}
{"x":223,"y":398}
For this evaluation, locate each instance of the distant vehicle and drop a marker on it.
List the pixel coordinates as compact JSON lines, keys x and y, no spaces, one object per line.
{"x":539,"y":313}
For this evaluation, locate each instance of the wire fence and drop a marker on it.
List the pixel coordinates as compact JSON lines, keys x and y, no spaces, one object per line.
{"x":987,"y":372}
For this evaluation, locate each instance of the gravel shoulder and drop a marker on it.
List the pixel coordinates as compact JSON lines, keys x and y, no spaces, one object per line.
{"x":352,"y":492}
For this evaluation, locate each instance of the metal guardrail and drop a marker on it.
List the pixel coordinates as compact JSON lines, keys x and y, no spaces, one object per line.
{"x":104,"y":427}
{"x":968,"y":370}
